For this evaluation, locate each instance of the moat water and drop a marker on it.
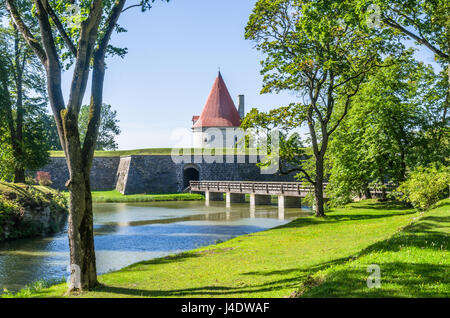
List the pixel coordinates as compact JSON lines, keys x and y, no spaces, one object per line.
{"x":126,"y":233}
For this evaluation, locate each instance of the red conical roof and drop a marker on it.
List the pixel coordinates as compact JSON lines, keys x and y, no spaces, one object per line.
{"x":219,"y":110}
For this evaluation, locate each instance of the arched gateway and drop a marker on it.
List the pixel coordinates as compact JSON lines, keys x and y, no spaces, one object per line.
{"x":191,"y":172}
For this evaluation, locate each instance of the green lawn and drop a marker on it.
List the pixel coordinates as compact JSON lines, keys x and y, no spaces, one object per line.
{"x":146,"y":152}
{"x":118,"y":153}
{"x":309,"y":257}
{"x":115,"y":196}
{"x":415,"y":262}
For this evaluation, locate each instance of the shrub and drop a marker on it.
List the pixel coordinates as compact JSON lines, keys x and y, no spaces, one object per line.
{"x":30,"y":180}
{"x":425,"y":187}
{"x":44,"y":178}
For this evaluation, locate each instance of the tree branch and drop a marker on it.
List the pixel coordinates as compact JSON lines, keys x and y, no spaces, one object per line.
{"x":53,"y":70}
{"x":110,"y":25}
{"x":132,"y":6}
{"x":307,"y":176}
{"x":423,"y":41}
{"x":97,"y":84}
{"x":88,"y":37}
{"x":347,"y":104}
{"x":60,"y":27}
{"x":25,"y":31}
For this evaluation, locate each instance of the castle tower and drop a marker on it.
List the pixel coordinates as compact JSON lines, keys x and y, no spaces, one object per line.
{"x":218,"y":115}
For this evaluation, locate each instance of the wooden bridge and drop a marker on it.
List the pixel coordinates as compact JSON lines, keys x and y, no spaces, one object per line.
{"x":295,"y":189}
{"x":289,"y":193}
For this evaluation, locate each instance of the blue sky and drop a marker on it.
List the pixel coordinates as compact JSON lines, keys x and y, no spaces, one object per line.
{"x":174,"y":52}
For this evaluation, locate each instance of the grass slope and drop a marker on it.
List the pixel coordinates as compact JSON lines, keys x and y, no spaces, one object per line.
{"x":155,"y":152}
{"x":118,"y":153}
{"x":277,"y":262}
{"x":415,"y":262}
{"x":115,"y":196}
{"x":20,"y":202}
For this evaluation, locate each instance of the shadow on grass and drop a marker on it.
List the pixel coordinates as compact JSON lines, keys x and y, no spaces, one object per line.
{"x":401,"y":278}
{"x":313,"y":268}
{"x":377,"y":205}
{"x":291,"y":277}
{"x":398,"y":279}
{"x":177,"y":258}
{"x":334,"y":217}
{"x":429,"y":232}
{"x":215,"y":291}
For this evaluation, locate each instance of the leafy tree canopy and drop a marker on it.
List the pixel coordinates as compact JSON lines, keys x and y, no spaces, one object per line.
{"x":393,"y":126}
{"x":108,"y":129}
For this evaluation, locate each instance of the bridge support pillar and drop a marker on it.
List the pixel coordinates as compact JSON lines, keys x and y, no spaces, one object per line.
{"x":252,"y":212}
{"x":259,"y":199}
{"x":213,"y":196}
{"x":234,"y":198}
{"x":289,"y":202}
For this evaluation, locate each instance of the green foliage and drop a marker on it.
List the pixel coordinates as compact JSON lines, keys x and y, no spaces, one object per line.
{"x":6,"y":157}
{"x":35,"y":147}
{"x":426,"y":186}
{"x":108,"y":129}
{"x":22,"y":102}
{"x":107,"y":132}
{"x":51,"y":133}
{"x":8,"y":212}
{"x":322,"y":51}
{"x":33,"y":288}
{"x":424,"y":21}
{"x":394,"y":125}
{"x":14,"y":198}
{"x":291,"y":151}
{"x":115,"y":196}
{"x":71,"y":18}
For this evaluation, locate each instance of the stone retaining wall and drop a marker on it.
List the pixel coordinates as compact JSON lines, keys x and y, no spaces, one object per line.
{"x":158,"y":174}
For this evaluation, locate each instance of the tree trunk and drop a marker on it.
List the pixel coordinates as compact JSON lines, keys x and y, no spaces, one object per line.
{"x":81,"y":235}
{"x":19,"y":175}
{"x":17,"y":132}
{"x":383,"y":194}
{"x":367,"y":194}
{"x":318,"y":189}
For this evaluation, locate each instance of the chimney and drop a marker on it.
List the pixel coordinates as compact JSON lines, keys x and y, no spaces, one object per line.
{"x":241,"y":109}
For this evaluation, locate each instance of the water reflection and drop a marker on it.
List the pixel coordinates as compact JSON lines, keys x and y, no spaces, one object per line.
{"x":127,"y":233}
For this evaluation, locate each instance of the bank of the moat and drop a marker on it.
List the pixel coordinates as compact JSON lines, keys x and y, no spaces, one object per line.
{"x":27,"y":211}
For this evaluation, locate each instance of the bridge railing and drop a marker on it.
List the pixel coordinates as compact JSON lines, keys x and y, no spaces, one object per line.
{"x":262,"y":187}
{"x":258,"y":187}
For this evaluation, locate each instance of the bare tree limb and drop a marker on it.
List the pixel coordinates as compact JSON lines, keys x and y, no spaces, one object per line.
{"x":132,"y":6}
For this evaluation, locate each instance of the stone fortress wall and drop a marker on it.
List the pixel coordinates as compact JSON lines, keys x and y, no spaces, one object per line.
{"x":159,"y":173}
